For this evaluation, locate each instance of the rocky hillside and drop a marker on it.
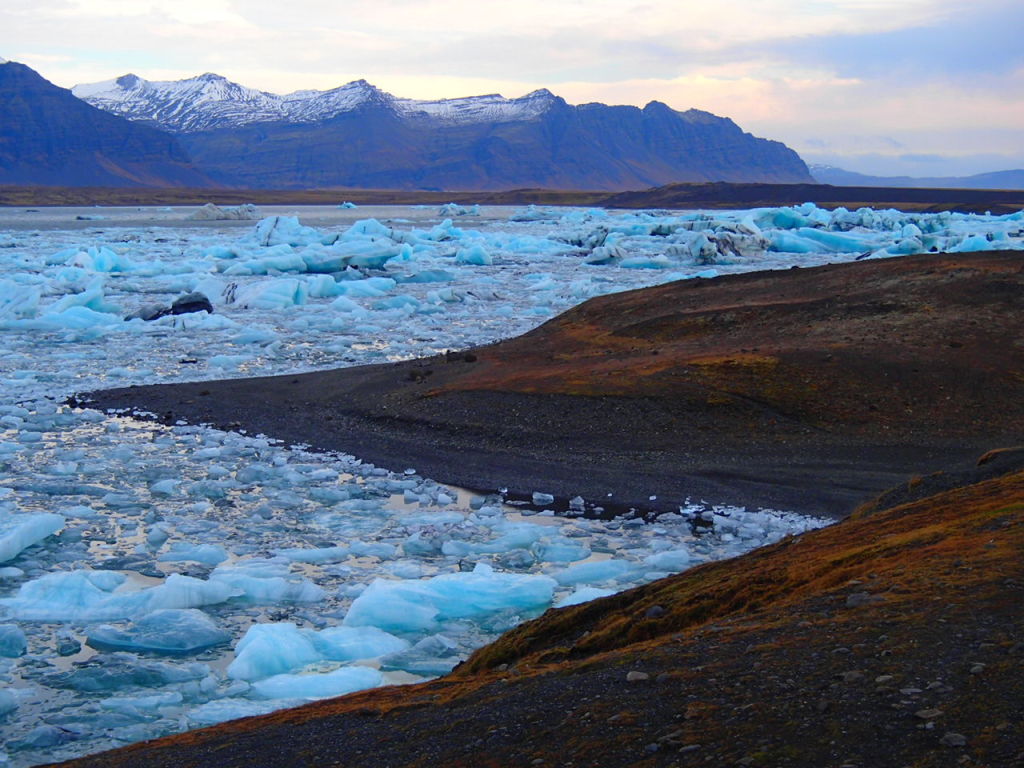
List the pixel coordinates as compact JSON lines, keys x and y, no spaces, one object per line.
{"x":893,"y":638}
{"x":49,"y":137}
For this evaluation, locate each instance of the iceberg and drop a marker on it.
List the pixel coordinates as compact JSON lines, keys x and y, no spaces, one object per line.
{"x":267,"y":650}
{"x":85,"y":595}
{"x":318,"y":686}
{"x":169,"y":631}
{"x":18,"y":532}
{"x":423,"y":605}
{"x":13,"y":642}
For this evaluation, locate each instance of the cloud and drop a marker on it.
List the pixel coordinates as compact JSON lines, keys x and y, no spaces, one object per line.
{"x":880,"y":76}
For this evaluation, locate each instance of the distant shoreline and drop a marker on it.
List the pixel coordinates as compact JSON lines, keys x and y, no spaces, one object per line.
{"x":688,"y":195}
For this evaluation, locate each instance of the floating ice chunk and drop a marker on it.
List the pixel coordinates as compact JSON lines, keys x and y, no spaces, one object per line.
{"x":319,"y":686}
{"x":428,"y":276}
{"x":207,"y":554}
{"x":672,"y":560}
{"x":8,"y":701}
{"x":88,"y":596}
{"x":540,"y":499}
{"x":533,"y":213}
{"x":17,"y":301}
{"x":170,"y":631}
{"x":213,"y":212}
{"x":321,"y":555}
{"x":262,"y":582}
{"x":371,"y":287}
{"x":475,"y":255}
{"x":222,"y":710}
{"x":73,"y":318}
{"x":348,"y":204}
{"x":595,"y":572}
{"x":561,"y":551}
{"x":115,"y":671}
{"x":454,"y":209}
{"x":12,"y":641}
{"x":430,"y":657}
{"x":133,"y":705}
{"x":285,"y":230}
{"x":646,"y":262}
{"x":272,"y":649}
{"x":273,"y":294}
{"x":972,"y":244}
{"x":100,"y":259}
{"x":583,"y":595}
{"x":355,"y":643}
{"x":789,"y":242}
{"x":280,"y":258}
{"x":409,"y":606}
{"x":20,"y":531}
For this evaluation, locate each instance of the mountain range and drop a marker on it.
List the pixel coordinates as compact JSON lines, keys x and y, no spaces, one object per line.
{"x":359,"y":136}
{"x":827,"y":174}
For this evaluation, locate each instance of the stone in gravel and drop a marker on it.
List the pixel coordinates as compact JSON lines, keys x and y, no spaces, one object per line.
{"x":882,"y":679}
{"x":977,"y":669}
{"x":851,"y":677}
{"x":953,"y":740}
{"x":928,"y":714}
{"x":858,"y":599}
{"x":636,"y":677}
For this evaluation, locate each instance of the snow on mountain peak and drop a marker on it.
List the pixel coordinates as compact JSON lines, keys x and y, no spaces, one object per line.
{"x":3,"y":60}
{"x":211,"y":101}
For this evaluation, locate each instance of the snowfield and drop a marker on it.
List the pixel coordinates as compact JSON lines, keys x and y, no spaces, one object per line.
{"x":155,"y":579}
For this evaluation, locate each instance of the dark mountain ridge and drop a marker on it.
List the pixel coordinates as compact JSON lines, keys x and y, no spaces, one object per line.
{"x":1010,"y":179}
{"x":49,"y":137}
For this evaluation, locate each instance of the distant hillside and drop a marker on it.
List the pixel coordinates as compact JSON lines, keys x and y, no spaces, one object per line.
{"x":49,"y":137}
{"x":359,"y":136}
{"x":827,"y":174}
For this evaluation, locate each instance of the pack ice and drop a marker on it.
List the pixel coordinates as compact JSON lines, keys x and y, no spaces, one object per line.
{"x":159,"y":578}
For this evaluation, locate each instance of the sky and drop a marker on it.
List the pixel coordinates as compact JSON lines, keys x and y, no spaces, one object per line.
{"x":885,"y":87}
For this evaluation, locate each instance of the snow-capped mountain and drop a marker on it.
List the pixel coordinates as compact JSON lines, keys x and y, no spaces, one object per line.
{"x":211,"y":101}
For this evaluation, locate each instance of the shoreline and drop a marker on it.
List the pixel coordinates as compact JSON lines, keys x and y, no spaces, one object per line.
{"x":691,"y":195}
{"x":682,"y":391}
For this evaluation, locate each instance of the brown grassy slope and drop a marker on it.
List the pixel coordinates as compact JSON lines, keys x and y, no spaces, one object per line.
{"x":930,"y":343}
{"x":806,"y":389}
{"x":862,"y":644}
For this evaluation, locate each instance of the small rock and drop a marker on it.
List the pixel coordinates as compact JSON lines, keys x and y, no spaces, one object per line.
{"x":953,"y":740}
{"x":654,"y":612}
{"x":858,"y":599}
{"x":977,"y":669}
{"x":636,"y":677}
{"x":689,"y":748}
{"x":851,"y":677}
{"x":883,"y":679}
{"x":928,"y":714}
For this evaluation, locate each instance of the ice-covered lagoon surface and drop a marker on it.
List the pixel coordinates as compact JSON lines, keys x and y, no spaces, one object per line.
{"x":154,"y":579}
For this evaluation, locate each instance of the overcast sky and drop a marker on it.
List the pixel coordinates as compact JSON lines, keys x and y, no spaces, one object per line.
{"x":918,"y":87}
